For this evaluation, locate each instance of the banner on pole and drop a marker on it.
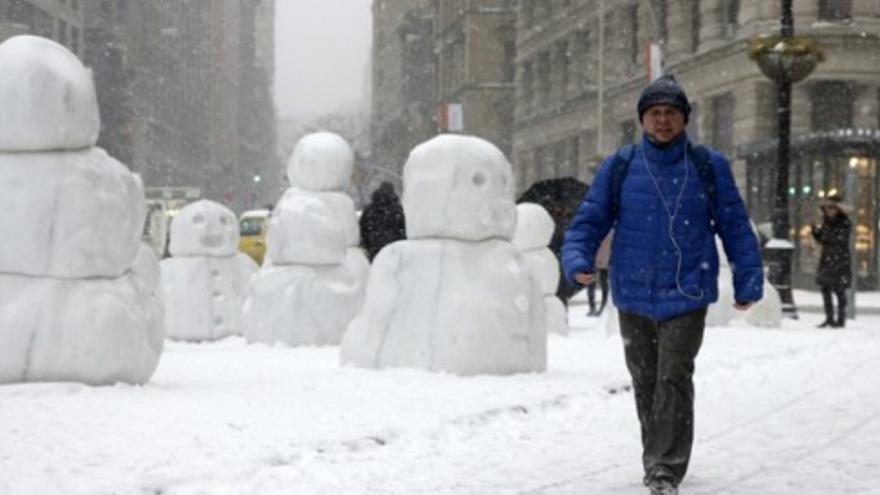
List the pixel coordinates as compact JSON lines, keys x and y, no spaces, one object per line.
{"x":655,"y":61}
{"x":451,"y":117}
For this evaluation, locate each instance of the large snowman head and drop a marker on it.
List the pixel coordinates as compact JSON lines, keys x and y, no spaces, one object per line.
{"x":47,"y":97}
{"x":304,"y":231}
{"x":458,"y":187}
{"x":534,"y":227}
{"x":321,"y":161}
{"x":204,"y":228}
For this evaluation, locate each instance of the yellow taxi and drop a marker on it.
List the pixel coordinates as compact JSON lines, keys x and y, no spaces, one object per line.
{"x":253,"y":225}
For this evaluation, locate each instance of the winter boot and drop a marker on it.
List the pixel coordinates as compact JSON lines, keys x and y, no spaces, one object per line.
{"x":829,"y":316}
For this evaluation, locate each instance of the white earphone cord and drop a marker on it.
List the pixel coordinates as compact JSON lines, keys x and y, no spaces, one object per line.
{"x":672,"y":214}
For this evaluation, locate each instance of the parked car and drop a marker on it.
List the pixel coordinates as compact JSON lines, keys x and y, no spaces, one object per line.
{"x":253,"y":225}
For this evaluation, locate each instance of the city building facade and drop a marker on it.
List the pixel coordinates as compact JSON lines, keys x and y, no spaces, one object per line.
{"x":403,"y":105}
{"x":475,"y":46}
{"x":59,"y":20}
{"x":184,"y":88}
{"x":581,"y":66}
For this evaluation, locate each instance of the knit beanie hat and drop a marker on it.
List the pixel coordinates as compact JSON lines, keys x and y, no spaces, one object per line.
{"x":664,"y":91}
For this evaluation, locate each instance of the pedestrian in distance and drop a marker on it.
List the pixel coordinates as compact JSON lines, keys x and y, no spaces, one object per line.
{"x":382,"y":221}
{"x":834,"y":274}
{"x":666,"y":199}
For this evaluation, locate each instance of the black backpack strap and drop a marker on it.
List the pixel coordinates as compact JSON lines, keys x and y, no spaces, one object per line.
{"x":706,"y":171}
{"x":619,"y":169}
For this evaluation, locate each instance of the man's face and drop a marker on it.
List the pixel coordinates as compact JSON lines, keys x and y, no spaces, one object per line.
{"x":663,"y":123}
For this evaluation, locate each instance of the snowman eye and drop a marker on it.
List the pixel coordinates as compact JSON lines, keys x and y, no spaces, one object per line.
{"x":479,"y":179}
{"x":198,"y":219}
{"x":223,"y":221}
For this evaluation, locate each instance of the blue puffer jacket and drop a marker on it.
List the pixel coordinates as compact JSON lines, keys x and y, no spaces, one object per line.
{"x":648,"y":277}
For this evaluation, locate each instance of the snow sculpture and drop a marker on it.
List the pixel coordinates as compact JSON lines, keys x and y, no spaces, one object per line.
{"x":320,"y":167}
{"x":534,"y":230}
{"x":457,"y":295}
{"x":204,"y":282}
{"x":307,"y":294}
{"x":74,"y":303}
{"x":766,"y":313}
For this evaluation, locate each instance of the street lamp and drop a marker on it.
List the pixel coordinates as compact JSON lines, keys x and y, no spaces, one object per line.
{"x":785,"y":59}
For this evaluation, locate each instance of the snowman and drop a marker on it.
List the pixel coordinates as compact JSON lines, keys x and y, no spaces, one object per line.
{"x":78,"y":300}
{"x":204,"y":282}
{"x":534,"y":230}
{"x":320,"y":167}
{"x":457,"y":295}
{"x":307,"y":293}
{"x":765,"y":313}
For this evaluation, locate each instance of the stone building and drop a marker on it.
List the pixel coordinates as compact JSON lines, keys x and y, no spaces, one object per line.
{"x":581,"y":65}
{"x":60,"y":20}
{"x":475,"y":46}
{"x":403,"y":79}
{"x":183,"y":87}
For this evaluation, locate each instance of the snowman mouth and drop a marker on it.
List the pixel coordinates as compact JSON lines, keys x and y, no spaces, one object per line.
{"x":212,"y":241}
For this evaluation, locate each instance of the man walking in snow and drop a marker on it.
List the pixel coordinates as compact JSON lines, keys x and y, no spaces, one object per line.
{"x":666,"y":198}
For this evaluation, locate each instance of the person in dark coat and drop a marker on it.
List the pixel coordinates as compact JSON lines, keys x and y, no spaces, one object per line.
{"x":834,"y":274}
{"x":664,"y":268}
{"x":382,"y":221}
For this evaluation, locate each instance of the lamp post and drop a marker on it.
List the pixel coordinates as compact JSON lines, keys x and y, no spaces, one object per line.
{"x":786,"y":60}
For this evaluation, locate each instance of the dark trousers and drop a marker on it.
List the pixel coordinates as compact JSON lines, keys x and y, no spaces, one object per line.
{"x":829,"y":305}
{"x":660,"y":358}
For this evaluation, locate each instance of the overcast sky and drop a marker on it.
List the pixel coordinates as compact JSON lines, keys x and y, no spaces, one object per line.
{"x":322,"y":52}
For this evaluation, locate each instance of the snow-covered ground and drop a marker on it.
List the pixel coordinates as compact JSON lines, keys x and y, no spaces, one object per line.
{"x":795,"y":410}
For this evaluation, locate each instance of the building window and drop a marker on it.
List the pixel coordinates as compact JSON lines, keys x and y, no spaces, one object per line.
{"x":528,"y":12}
{"x":730,"y":17}
{"x":74,"y":39}
{"x":507,"y":38}
{"x":693,"y":125}
{"x":633,"y":19}
{"x":661,"y":15}
{"x":574,"y":149}
{"x":627,"y":132}
{"x":564,"y":66}
{"x":722,"y":107}
{"x":543,"y":77}
{"x":581,"y":57}
{"x":835,"y":10}
{"x":833,"y":103}
{"x":696,"y":24}
{"x":61,"y":37}
{"x":528,"y":81}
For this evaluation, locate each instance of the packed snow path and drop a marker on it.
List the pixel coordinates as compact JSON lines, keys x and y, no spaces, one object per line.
{"x":795,"y":410}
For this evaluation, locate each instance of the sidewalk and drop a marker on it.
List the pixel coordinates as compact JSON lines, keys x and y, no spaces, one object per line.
{"x":867,"y":303}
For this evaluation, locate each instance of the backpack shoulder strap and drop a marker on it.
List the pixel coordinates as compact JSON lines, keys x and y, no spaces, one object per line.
{"x":703,"y":163}
{"x":619,"y":169}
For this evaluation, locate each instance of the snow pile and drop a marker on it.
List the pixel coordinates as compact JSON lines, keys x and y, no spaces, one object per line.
{"x":765,"y":313}
{"x":306,"y":294}
{"x":534,"y":230}
{"x":73,"y":305}
{"x":457,"y":295}
{"x":204,"y":282}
